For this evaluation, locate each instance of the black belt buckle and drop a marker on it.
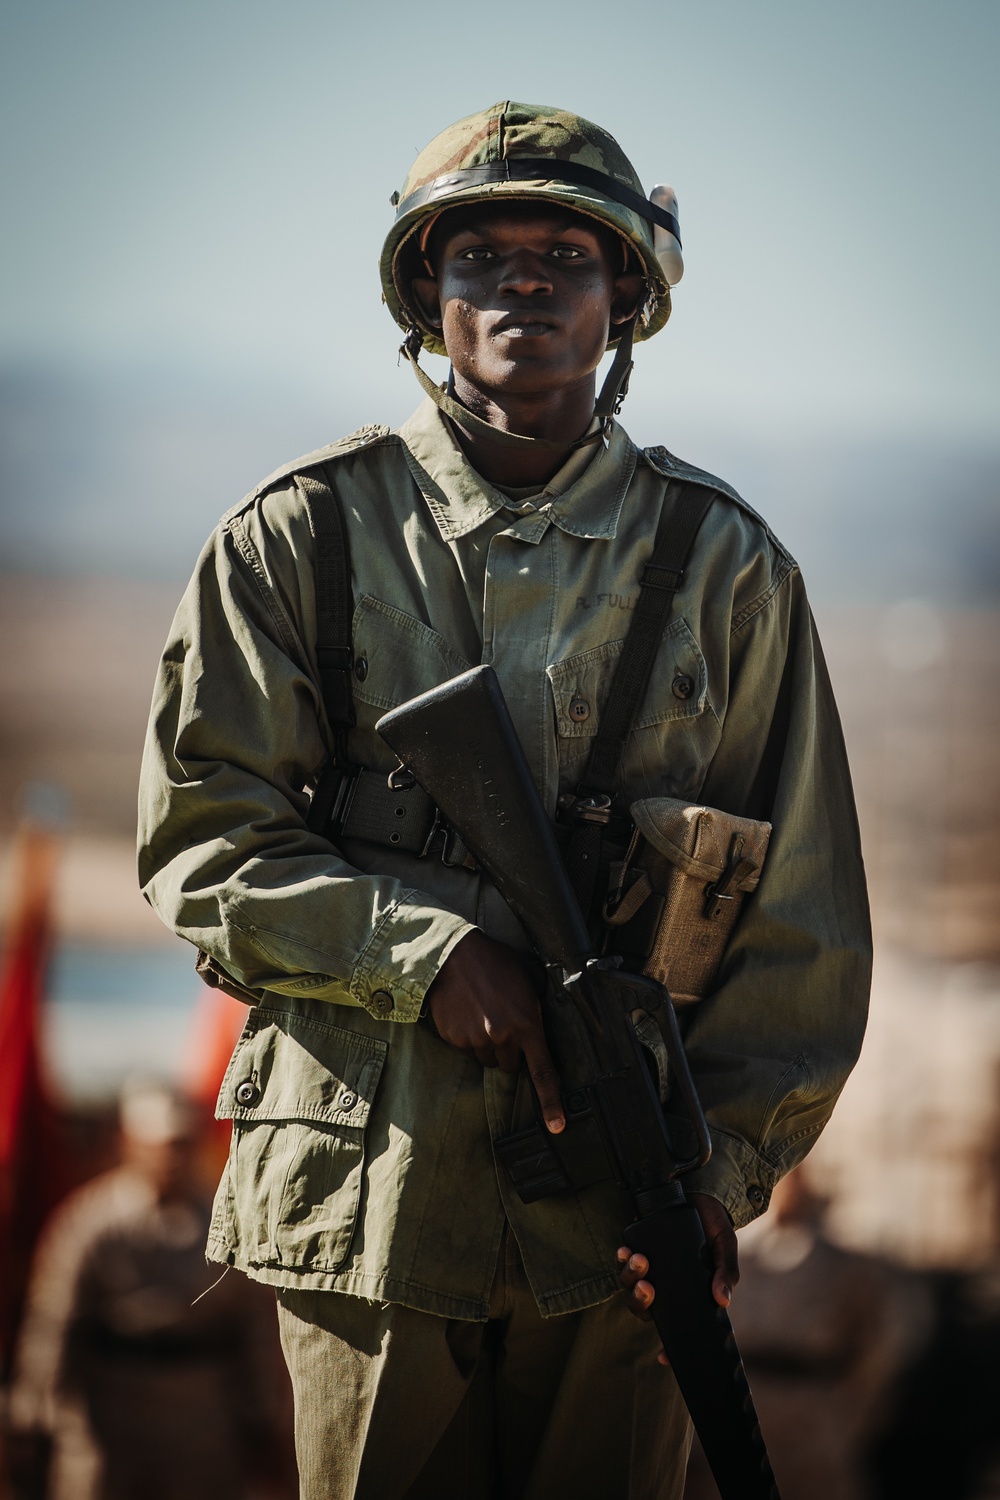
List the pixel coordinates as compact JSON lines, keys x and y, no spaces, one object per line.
{"x":437,"y":829}
{"x":453,"y":852}
{"x":593,"y":807}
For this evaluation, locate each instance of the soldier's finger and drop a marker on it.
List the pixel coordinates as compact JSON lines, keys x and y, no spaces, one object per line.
{"x":631,"y":1273}
{"x":640,"y":1300}
{"x":722,"y":1246}
{"x":725,"y":1257}
{"x":543,"y":1075}
{"x":633,"y":1270}
{"x":486,"y":1056}
{"x":723,"y":1283}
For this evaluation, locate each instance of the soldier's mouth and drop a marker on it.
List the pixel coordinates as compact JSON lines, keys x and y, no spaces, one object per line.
{"x":516,"y":326}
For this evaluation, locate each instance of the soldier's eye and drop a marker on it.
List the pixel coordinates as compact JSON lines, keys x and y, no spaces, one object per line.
{"x":568,"y":252}
{"x":476,"y":253}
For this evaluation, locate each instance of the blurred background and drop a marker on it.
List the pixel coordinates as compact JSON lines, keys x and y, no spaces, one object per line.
{"x":195,"y":198}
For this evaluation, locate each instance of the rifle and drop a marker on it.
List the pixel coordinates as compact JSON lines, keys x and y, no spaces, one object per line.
{"x":458,"y":742}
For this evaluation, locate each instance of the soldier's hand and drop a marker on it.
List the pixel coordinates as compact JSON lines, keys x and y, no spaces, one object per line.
{"x":720,"y":1237}
{"x":484,"y":1002}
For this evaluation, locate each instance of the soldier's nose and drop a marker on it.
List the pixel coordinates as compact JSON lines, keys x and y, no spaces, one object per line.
{"x":525,"y":274}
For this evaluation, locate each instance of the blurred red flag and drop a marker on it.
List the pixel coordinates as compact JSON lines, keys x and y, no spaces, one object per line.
{"x":30,"y":1167}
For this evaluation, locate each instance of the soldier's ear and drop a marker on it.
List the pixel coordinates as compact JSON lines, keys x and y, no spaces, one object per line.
{"x":427,"y":297}
{"x":628,"y":296}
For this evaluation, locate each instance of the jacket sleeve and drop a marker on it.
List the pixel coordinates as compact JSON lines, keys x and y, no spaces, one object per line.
{"x":234,"y":741}
{"x":772,"y":1047}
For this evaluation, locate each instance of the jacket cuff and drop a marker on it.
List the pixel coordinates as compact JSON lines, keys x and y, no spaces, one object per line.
{"x":738,"y":1176}
{"x":403,"y":957}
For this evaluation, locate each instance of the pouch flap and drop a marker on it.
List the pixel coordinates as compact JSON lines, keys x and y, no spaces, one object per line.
{"x":286,"y":1067}
{"x":698,"y":840}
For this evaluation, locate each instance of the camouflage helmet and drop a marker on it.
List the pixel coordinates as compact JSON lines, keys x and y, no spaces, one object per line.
{"x":505,"y":152}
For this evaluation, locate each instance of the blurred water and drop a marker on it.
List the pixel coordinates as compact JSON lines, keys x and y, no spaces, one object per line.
{"x":111,"y":1012}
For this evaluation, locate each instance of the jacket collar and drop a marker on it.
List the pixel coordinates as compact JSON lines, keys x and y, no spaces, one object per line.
{"x":459,"y":499}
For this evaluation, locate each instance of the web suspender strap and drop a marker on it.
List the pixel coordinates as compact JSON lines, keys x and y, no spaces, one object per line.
{"x":684,"y":508}
{"x":334,"y":619}
{"x":352,"y":802}
{"x":334,"y":601}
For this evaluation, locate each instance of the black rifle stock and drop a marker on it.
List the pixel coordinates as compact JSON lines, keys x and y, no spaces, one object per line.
{"x":459,"y":743}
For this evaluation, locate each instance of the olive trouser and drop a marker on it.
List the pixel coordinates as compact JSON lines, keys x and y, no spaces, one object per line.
{"x":394,"y":1404}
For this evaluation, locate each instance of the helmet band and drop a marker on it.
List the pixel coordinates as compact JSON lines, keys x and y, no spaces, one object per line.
{"x":545,"y":169}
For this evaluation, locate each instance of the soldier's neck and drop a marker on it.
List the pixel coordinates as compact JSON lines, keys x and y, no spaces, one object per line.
{"x":554,"y":415}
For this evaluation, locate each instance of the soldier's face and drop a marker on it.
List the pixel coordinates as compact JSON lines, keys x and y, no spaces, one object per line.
{"x":524,"y":299}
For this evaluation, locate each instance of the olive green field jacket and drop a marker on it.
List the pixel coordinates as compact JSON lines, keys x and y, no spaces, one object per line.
{"x":361,"y":1159}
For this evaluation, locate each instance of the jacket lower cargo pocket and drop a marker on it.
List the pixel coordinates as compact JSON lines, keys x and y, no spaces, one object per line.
{"x":299,"y":1093}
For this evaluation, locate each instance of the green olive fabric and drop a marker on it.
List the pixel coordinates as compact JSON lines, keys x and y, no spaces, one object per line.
{"x":569,"y":1406}
{"x":361,"y":1157}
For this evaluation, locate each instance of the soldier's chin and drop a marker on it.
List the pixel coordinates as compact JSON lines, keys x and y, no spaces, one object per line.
{"x":514,"y":354}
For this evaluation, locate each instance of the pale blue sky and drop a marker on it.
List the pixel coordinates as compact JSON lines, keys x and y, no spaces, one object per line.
{"x":205,"y":184}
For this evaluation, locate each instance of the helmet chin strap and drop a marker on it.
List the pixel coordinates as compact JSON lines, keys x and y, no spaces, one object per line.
{"x":609,"y":402}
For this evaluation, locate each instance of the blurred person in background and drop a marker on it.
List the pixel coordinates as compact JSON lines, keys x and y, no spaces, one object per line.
{"x":942,"y":1435}
{"x":825,"y":1333}
{"x":134,"y":1374}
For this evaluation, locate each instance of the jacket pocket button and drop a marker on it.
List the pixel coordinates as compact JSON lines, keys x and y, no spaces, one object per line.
{"x":682,"y":686}
{"x":579,"y":710}
{"x":383,"y":1002}
{"x":755,"y":1195}
{"x":247,"y":1094}
{"x":361,"y":668}
{"x":348,"y":1100}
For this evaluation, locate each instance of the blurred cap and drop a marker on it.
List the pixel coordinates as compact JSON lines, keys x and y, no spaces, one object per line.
{"x":153,"y":1113}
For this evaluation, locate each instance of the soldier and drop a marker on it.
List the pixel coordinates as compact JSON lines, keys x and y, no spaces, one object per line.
{"x":443,"y":1337}
{"x":138,"y":1383}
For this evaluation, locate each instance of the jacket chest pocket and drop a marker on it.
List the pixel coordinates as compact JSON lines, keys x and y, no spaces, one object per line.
{"x":299,"y":1093}
{"x":397,"y":656}
{"x":675,"y":733}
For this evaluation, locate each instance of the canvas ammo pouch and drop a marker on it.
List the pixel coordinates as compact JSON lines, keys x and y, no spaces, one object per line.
{"x":676,"y":896}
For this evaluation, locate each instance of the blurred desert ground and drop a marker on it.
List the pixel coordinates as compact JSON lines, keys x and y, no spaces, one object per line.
{"x":112,"y":480}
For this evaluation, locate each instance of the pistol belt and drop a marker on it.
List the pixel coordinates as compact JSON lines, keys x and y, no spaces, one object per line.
{"x":367,"y":808}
